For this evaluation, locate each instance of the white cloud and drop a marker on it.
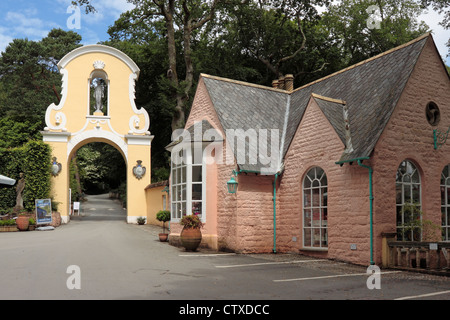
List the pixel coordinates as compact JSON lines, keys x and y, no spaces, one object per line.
{"x":22,"y":24}
{"x":109,"y":10}
{"x":440,"y":35}
{"x":27,"y":24}
{"x":5,"y":40}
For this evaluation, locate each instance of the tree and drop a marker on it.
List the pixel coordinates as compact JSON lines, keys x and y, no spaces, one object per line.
{"x":349,"y":24}
{"x":29,"y":77}
{"x":439,"y":6}
{"x":272,"y":31}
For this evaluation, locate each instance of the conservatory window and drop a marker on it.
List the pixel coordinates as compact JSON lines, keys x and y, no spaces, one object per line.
{"x":188,"y":183}
{"x":315,"y":210}
{"x":408,"y":202}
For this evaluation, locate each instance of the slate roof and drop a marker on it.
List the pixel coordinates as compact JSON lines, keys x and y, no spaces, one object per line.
{"x":369,"y":90}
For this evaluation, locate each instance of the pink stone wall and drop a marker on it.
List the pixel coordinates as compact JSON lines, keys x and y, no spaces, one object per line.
{"x":317,"y":144}
{"x":408,"y":135}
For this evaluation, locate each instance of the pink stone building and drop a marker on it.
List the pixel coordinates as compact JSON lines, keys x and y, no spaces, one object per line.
{"x":324,"y":169}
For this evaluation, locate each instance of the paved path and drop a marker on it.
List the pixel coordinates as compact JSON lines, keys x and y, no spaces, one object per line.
{"x":117,"y":260}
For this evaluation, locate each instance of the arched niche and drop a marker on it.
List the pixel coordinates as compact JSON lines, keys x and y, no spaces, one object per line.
{"x":98,"y":93}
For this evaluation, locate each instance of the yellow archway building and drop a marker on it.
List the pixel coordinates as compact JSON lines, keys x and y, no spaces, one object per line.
{"x":97,"y":105}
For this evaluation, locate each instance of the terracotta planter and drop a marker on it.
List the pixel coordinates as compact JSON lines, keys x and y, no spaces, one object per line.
{"x":22,"y":223}
{"x":191,"y":238}
{"x":163,"y":237}
{"x":56,"y":219}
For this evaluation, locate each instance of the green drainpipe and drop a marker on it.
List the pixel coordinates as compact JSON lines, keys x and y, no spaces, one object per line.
{"x":275,"y":213}
{"x":371,"y":208}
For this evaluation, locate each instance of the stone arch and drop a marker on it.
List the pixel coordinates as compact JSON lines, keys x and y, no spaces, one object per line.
{"x":71,"y":125}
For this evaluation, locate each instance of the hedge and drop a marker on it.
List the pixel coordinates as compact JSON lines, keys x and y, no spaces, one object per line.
{"x":34,"y":160}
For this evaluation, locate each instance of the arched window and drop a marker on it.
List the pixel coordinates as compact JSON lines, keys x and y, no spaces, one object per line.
{"x":445,"y":202}
{"x":315,"y":198}
{"x":408,"y":202}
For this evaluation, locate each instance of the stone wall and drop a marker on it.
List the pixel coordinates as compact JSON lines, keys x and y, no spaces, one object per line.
{"x":408,"y":135}
{"x":317,"y":144}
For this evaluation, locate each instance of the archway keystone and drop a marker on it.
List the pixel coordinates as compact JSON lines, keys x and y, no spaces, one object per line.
{"x":72,"y":123}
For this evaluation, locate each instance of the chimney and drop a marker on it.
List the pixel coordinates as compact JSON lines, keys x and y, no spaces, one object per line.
{"x":275,"y":84}
{"x":289,"y":82}
{"x":281,"y":83}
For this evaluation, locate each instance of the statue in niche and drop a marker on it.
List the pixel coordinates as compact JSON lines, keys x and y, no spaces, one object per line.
{"x":99,"y":95}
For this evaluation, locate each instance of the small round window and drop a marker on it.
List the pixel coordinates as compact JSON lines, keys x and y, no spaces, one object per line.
{"x":433,"y":114}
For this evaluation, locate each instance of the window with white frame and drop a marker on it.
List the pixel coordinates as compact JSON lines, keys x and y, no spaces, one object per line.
{"x":445,"y":203}
{"x":188,"y":183}
{"x":315,"y":209}
{"x":408,"y":202}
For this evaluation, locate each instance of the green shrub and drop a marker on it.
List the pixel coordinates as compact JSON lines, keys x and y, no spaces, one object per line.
{"x":10,"y":222}
{"x":34,"y":160}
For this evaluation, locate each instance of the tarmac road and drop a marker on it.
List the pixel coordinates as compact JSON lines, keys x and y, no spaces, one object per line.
{"x":116,"y":260}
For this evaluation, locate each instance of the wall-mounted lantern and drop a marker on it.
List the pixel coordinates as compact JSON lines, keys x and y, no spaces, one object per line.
{"x":232,"y":185}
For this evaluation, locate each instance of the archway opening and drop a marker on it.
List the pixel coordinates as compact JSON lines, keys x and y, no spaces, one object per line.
{"x":98,"y":168}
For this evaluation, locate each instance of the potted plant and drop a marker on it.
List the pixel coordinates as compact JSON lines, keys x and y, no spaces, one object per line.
{"x":416,"y":228}
{"x":32,"y":224}
{"x":141,"y":220}
{"x":191,"y":235}
{"x":163,"y":216}
{"x":22,"y":221}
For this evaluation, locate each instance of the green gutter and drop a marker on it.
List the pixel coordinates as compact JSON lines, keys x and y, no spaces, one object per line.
{"x":371,"y":208}
{"x":352,"y":160}
{"x":274,"y":250}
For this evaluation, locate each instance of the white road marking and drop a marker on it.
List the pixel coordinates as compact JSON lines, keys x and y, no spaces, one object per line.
{"x":424,"y":295}
{"x":207,"y":255}
{"x":333,"y":276}
{"x":267,"y":263}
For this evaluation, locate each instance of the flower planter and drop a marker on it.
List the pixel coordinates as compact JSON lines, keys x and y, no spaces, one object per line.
{"x":8,"y":229}
{"x":22,"y":223}
{"x":163,"y":237}
{"x":191,"y":238}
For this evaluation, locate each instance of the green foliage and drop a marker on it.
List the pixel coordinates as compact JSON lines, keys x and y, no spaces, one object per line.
{"x":191,"y":222}
{"x":415,"y":227}
{"x":347,"y":24}
{"x":30,"y":82}
{"x":10,"y":222}
{"x":101,"y":168}
{"x":14,"y":133}
{"x":141,"y":220}
{"x":34,"y":160}
{"x":36,"y":166}
{"x":163,"y":216}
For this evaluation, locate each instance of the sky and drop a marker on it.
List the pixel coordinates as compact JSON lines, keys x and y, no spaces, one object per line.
{"x":34,"y":19}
